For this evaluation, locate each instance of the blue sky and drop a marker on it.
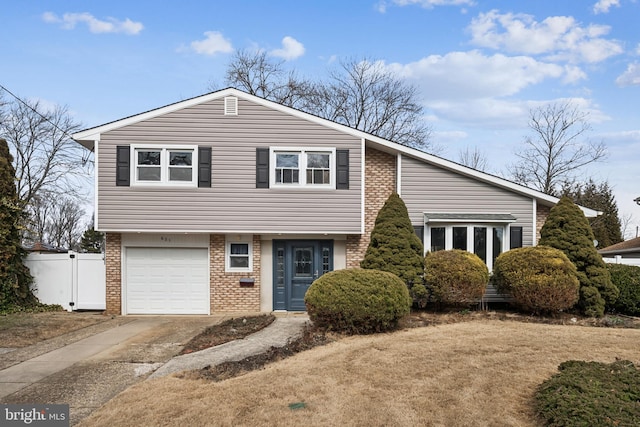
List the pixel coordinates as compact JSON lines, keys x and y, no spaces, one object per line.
{"x":480,"y":66}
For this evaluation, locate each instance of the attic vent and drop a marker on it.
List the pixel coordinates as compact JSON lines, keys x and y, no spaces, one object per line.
{"x":231,"y":106}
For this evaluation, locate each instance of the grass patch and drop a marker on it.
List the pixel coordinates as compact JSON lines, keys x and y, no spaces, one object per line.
{"x":21,"y":329}
{"x":591,"y":394}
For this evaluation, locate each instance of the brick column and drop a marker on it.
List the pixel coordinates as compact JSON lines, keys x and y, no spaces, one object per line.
{"x":380,"y":183}
{"x":226,"y":293}
{"x":542,"y":212}
{"x":113,"y":261}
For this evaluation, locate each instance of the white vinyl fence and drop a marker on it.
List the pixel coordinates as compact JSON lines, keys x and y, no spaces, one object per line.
{"x":620,"y":260}
{"x":75,"y":281}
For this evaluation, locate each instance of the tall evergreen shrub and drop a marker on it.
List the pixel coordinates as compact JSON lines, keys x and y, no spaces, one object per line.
{"x":567,"y":229}
{"x":15,"y":280}
{"x":394,"y":245}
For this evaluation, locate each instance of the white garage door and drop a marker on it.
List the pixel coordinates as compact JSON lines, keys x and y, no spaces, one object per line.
{"x":167,"y":281}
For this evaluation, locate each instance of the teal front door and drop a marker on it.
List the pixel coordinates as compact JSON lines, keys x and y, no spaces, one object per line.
{"x":297,"y":263}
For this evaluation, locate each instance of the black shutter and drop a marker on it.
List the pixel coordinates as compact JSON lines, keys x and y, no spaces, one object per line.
{"x":342,"y":169}
{"x":515,"y":237}
{"x":123,"y":169}
{"x":204,"y":167}
{"x":262,"y":168}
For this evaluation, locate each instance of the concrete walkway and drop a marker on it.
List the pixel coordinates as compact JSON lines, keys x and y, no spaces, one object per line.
{"x":24,"y":374}
{"x":277,"y":334}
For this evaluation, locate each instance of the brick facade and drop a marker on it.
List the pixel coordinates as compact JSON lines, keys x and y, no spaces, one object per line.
{"x":226,"y":293}
{"x":113,"y":262}
{"x":542,"y":212}
{"x":380,"y":183}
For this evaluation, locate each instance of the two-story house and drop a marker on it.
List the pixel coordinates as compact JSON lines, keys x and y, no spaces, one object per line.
{"x":230,"y":202}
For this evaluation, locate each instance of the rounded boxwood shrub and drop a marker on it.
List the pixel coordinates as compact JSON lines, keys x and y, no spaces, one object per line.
{"x":358,"y":301}
{"x":455,"y":277}
{"x":627,"y":280}
{"x":540,"y":279}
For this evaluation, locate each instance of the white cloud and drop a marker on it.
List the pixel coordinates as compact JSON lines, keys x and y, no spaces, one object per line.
{"x":97,"y":26}
{"x":213,"y":43}
{"x":472,"y":75}
{"x":291,"y":49}
{"x":559,"y":37}
{"x":427,"y":4}
{"x":603,"y":6}
{"x":631,"y":77}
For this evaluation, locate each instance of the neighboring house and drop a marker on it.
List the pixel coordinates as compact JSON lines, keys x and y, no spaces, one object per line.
{"x":627,"y":252}
{"x":230,"y":202}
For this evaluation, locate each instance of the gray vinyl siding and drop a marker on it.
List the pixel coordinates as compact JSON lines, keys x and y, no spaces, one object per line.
{"x":233,"y":203}
{"x":428,"y":188}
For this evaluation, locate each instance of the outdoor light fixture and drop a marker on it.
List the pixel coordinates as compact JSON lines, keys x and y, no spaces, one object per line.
{"x":637,"y":200}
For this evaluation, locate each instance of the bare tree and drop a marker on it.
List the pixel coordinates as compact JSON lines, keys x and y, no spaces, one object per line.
{"x":558,"y":148}
{"x":626,"y":226}
{"x":38,"y":212}
{"x":256,"y":74}
{"x":360,"y":94}
{"x":46,"y":159}
{"x":473,"y":158}
{"x":64,"y":225}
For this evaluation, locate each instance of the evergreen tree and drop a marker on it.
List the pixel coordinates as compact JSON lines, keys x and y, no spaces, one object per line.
{"x":567,"y":229}
{"x":15,"y":279}
{"x":394,"y":245}
{"x":606,"y":227}
{"x":92,"y":241}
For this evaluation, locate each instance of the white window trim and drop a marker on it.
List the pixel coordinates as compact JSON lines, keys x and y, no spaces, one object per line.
{"x":227,"y":254}
{"x":164,"y":165}
{"x":302,"y":166}
{"x":448,"y":236}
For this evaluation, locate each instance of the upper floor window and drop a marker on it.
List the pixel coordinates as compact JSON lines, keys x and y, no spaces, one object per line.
{"x":303,"y":167}
{"x":165,"y":165}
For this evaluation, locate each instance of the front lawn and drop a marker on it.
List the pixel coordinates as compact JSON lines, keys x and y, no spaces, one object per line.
{"x":476,"y":373}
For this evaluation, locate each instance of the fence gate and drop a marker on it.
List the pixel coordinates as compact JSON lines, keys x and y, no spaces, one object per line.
{"x":75,"y":281}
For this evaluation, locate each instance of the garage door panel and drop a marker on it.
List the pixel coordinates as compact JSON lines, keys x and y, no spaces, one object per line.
{"x":167,"y":281}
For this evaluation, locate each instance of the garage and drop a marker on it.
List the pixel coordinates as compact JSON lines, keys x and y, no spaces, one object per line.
{"x":166,"y":281}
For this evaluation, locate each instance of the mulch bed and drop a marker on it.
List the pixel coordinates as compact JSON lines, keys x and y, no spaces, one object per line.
{"x":229,"y":330}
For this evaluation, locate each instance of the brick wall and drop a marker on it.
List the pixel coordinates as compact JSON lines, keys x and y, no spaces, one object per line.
{"x":542,"y":212}
{"x":113,"y":261}
{"x":380,"y":183}
{"x":226,"y":293}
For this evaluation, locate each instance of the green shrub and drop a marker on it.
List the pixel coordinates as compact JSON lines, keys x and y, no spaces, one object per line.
{"x":540,"y":279}
{"x":591,"y":394}
{"x":627,"y":280}
{"x":394,"y":245}
{"x":567,"y":229}
{"x":419,"y":295}
{"x":357,"y":301}
{"x":455,"y":277}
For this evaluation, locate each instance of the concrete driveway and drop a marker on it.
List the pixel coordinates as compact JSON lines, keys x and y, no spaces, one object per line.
{"x":86,"y":368}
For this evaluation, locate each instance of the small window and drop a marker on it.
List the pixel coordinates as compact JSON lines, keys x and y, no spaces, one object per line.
{"x":437,"y":239}
{"x":239,"y":256}
{"x":303,"y":168}
{"x":460,"y":238}
{"x":168,"y":166}
{"x":287,"y":169}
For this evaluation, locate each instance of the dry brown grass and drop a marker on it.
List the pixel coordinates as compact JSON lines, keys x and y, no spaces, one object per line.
{"x":480,"y":373}
{"x":23,"y":329}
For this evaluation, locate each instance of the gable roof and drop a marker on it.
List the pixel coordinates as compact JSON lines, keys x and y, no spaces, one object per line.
{"x":89,"y":137}
{"x":631,"y":245}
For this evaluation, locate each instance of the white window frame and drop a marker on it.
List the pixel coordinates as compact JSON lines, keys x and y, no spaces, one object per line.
{"x":302,"y":167}
{"x":448,"y":236}
{"x":164,"y":165}
{"x":238,"y":240}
